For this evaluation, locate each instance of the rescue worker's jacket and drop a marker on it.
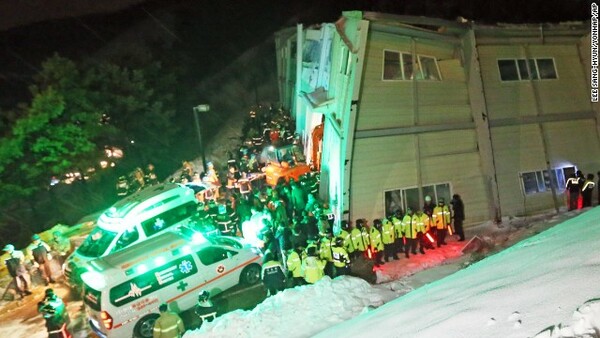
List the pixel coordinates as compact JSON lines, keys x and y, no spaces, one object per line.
{"x":168,"y":325}
{"x":375,"y":239}
{"x":272,"y":274}
{"x":397,"y":227}
{"x":325,"y":247}
{"x":206,"y":310}
{"x":423,"y":222}
{"x":588,"y":186}
{"x":313,"y":268}
{"x":358,"y":242}
{"x":410,"y":226}
{"x":347,"y":238}
{"x":388,"y":235}
{"x":340,"y":257}
{"x":441,"y":217}
{"x":294,"y":263}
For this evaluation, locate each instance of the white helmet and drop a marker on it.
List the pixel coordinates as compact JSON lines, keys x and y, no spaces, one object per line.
{"x":9,"y":248}
{"x":427,"y":198}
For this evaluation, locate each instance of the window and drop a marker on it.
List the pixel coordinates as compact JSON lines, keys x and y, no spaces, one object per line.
{"x":168,"y":218}
{"x":527,"y":69}
{"x":400,"y":199}
{"x":429,"y":69}
{"x":391,"y":65}
{"x":127,"y":238}
{"x":214,"y":254}
{"x":345,"y":62}
{"x":546,"y":68}
{"x":399,"y":66}
{"x":540,"y":181}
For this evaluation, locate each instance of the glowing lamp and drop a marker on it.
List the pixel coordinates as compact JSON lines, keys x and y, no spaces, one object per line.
{"x":159,"y":261}
{"x":93,"y":279}
{"x":142,"y":268}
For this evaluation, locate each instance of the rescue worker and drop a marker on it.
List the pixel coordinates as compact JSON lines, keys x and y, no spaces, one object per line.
{"x":60,"y":245}
{"x":398,"y":241}
{"x":358,"y":242}
{"x":375,"y":242}
{"x":273,"y":276}
{"x":150,"y":177}
{"x":573,"y":186}
{"x":15,"y":264}
{"x":344,"y":234}
{"x":168,"y":325}
{"x":122,"y":186}
{"x":458,"y":215}
{"x":341,"y":259}
{"x":226,"y":218}
{"x":212,"y":178}
{"x":388,"y":237}
{"x":53,"y":309}
{"x":294,"y":266}
{"x":205,"y":309}
{"x":441,"y":219}
{"x":312,"y":266}
{"x":326,"y":254}
{"x":424,"y":225}
{"x":410,"y":229}
{"x":587,"y":190}
{"x":38,"y":252}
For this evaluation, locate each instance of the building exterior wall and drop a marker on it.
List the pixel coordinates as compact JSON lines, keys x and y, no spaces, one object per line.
{"x":469,"y":133}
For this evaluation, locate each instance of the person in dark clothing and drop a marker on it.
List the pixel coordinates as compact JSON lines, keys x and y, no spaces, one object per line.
{"x":54,"y":312}
{"x":458,"y":214}
{"x":587,"y":190}
{"x":573,"y":186}
{"x":205,"y":309}
{"x":272,"y":274}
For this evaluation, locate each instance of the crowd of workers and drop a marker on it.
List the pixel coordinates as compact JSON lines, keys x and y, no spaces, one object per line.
{"x":300,"y":237}
{"x":580,"y":189}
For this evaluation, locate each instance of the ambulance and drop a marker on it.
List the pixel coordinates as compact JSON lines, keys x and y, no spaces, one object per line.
{"x":122,"y":291}
{"x":132,"y":220}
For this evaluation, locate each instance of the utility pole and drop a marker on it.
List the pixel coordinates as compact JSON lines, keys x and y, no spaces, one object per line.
{"x":201,"y":109}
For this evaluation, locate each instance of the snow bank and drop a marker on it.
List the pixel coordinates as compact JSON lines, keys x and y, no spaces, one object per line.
{"x":300,"y":312}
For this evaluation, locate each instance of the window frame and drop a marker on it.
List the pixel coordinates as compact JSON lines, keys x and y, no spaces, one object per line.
{"x":541,"y":180}
{"x":403,"y":199}
{"x":401,"y":66}
{"x":529,"y":62}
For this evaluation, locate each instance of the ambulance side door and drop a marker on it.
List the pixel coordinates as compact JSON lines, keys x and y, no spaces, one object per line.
{"x":219,"y":264}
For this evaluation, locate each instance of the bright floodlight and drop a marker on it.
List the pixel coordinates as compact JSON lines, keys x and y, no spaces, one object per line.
{"x":93,"y":279}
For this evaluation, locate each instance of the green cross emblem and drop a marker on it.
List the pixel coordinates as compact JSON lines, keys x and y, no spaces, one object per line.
{"x":182,"y":286}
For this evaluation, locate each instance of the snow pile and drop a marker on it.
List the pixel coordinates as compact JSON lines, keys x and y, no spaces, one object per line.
{"x":518,"y":292}
{"x":300,"y":312}
{"x":524,"y":291}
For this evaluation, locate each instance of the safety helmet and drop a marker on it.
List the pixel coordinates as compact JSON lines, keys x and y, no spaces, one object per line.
{"x":427,"y":198}
{"x":9,"y":248}
{"x":441,"y":201}
{"x":56,"y":233}
{"x":49,"y":292}
{"x":203,"y":296}
{"x":35,"y":237}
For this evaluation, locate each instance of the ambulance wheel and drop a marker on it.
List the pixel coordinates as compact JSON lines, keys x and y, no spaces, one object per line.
{"x":250,"y":275}
{"x":145,"y":327}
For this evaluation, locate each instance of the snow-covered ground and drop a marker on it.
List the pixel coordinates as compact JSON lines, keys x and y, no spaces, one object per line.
{"x":547,"y":285}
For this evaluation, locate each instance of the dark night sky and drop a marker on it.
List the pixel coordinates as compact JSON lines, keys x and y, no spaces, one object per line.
{"x":32,"y":30}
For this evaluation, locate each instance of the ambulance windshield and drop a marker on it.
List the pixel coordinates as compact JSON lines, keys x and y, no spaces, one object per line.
{"x":96,"y":243}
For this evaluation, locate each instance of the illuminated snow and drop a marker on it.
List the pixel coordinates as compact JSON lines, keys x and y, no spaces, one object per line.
{"x":541,"y":287}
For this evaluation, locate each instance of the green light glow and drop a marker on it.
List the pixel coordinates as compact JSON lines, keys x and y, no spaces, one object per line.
{"x":142,"y":268}
{"x":159,"y":261}
{"x":197,"y":238}
{"x":93,"y":279}
{"x":186,"y":249}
